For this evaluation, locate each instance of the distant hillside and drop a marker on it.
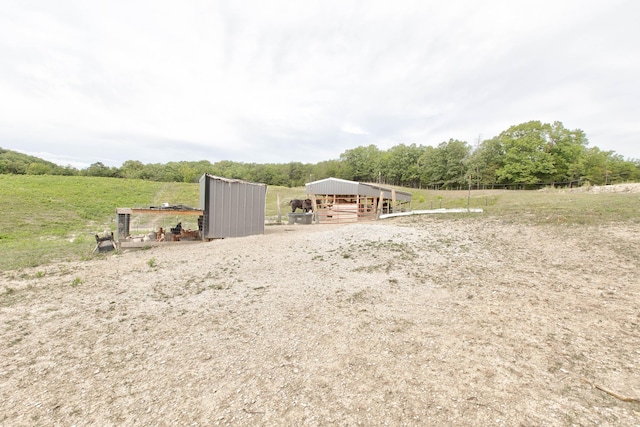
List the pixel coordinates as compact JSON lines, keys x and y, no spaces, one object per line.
{"x":13,"y":162}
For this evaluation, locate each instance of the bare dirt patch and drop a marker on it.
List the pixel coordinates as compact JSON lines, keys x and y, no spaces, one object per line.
{"x":631,"y":187}
{"x":411,"y":321}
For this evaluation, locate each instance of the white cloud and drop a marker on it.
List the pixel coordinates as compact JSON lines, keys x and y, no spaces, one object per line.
{"x":353,"y":129}
{"x":304,"y":81}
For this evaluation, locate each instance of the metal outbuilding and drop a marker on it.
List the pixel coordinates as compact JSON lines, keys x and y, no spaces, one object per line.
{"x":340,"y":200}
{"x":232,"y":208}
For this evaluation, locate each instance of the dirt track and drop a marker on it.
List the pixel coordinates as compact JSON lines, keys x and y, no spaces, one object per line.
{"x":412,"y":321}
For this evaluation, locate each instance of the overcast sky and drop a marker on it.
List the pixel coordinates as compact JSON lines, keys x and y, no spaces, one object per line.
{"x":278,"y":81}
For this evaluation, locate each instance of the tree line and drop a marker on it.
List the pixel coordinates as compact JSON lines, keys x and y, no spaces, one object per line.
{"x":528,"y":155}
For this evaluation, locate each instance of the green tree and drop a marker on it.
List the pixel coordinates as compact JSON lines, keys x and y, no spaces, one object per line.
{"x":485,"y":161}
{"x":188,"y":172}
{"x":446,"y":166}
{"x":566,"y":147}
{"x":171,"y":172}
{"x":622,"y":170}
{"x":362,"y":163}
{"x":65,"y":170}
{"x":432,"y":173}
{"x":527,"y":158}
{"x":327,"y":169}
{"x":456,"y":154}
{"x":13,"y":162}
{"x":37,"y":168}
{"x":401,"y":165}
{"x":269,"y":173}
{"x":230,"y":169}
{"x":298,"y":173}
{"x":100,"y":170}
{"x":132,"y":169}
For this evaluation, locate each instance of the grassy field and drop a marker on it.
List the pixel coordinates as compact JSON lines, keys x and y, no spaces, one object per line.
{"x":49,"y":218}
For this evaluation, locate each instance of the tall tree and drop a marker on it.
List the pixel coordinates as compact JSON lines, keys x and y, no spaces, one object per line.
{"x":485,"y":161}
{"x":456,"y":154}
{"x":187,"y":172}
{"x":327,"y":169}
{"x":298,"y":174}
{"x":446,"y":165}
{"x":402,"y":165}
{"x":99,"y":169}
{"x":362,"y":163}
{"x":567,"y":147}
{"x":433,"y":164}
{"x":527,"y":159}
{"x":133,"y":169}
{"x":594,"y":165}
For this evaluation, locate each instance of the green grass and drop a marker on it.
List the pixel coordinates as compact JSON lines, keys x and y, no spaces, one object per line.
{"x":537,"y":207}
{"x":50,"y":218}
{"x":286,"y":194}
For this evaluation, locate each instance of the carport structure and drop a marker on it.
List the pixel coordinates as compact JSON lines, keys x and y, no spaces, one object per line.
{"x":340,"y":200}
{"x":141,"y":227}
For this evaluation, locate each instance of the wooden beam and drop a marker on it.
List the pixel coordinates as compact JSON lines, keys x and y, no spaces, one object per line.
{"x":148,"y":211}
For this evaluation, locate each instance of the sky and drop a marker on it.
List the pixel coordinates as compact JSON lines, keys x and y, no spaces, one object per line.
{"x":278,"y":81}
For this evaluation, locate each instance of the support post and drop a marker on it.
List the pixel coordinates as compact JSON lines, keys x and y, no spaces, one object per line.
{"x":314,"y":208}
{"x":279,"y":211}
{"x":124,"y":220}
{"x":393,"y":199}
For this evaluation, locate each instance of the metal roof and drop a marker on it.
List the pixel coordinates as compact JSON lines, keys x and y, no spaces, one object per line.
{"x":344,"y":187}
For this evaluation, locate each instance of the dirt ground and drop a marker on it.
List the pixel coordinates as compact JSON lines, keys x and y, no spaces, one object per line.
{"x":407,"y":321}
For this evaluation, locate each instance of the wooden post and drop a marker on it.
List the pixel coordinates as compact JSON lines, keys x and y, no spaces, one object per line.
{"x":279,"y":212}
{"x":314,"y":207}
{"x":469,"y":194}
{"x":393,"y":199}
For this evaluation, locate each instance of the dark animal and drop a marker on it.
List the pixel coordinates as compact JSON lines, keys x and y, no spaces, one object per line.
{"x":105,"y":243}
{"x":177,"y":229}
{"x":295,"y":204}
{"x":107,"y":237}
{"x":305,"y":205}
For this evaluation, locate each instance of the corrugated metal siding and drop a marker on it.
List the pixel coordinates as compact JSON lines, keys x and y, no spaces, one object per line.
{"x":232,"y":208}
{"x":332,"y":186}
{"x":343,"y":187}
{"x":203,"y":179}
{"x":370,"y":191}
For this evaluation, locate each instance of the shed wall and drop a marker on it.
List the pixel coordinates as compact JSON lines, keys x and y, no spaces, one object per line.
{"x":231,"y":208}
